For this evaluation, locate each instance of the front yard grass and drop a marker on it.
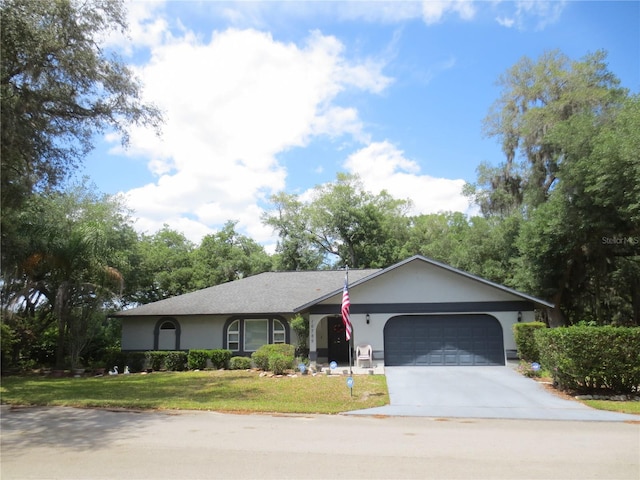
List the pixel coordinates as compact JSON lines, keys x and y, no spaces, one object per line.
{"x":614,"y":406}
{"x":545,"y":377}
{"x":219,"y":390}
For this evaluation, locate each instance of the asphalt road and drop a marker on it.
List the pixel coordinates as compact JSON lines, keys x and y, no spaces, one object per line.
{"x":69,"y":443}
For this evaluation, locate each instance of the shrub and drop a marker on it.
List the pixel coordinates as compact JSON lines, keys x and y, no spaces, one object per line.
{"x":166,"y":360}
{"x":197,"y":359}
{"x":528,"y":370}
{"x":134,"y":360}
{"x":583,"y":358}
{"x":261,"y":357}
{"x":279,"y":363}
{"x":155,"y":359}
{"x":300,"y":325}
{"x":220,"y":358}
{"x":239,"y":363}
{"x":175,"y":361}
{"x":525,"y":340}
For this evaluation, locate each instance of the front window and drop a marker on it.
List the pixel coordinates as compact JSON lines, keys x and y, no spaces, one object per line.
{"x":256,"y":334}
{"x":233,"y":336}
{"x":279,"y":333}
{"x":246,"y":335}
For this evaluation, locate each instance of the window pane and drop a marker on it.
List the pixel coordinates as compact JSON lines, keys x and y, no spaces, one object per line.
{"x":233,"y":336}
{"x":278,"y":332}
{"x":256,"y":334}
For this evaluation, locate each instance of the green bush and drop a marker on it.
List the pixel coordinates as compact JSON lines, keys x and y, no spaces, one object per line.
{"x":261,"y":357}
{"x":300,"y":325}
{"x":239,"y":363}
{"x":525,"y":340}
{"x":197,"y":359}
{"x":155,"y":359}
{"x":220,"y":358}
{"x":584,"y":359}
{"x":134,"y":360}
{"x":175,"y":361}
{"x":166,"y":360}
{"x":280,"y":363}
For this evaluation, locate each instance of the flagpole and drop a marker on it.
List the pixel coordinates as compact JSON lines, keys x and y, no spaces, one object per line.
{"x":350,"y":339}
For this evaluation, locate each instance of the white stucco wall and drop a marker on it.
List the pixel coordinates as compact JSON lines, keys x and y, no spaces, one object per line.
{"x":137,"y":334}
{"x":197,"y":332}
{"x":416,"y":283}
{"x":373,"y":333}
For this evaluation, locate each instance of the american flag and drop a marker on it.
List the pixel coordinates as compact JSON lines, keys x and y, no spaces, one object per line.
{"x":346,"y":303}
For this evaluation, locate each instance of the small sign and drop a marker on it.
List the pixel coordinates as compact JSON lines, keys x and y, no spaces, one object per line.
{"x":350,"y":382}
{"x":535,"y":366}
{"x":302,"y":367}
{"x":333,"y":365}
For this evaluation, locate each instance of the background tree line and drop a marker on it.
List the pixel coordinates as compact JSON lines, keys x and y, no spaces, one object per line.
{"x":560,"y":216}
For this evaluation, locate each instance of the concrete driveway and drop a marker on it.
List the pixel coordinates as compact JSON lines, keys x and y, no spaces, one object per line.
{"x":479,"y":392}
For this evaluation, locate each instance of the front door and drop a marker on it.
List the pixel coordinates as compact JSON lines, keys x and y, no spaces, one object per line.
{"x":338,"y":345}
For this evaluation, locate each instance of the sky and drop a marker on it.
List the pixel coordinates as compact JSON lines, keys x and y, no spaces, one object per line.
{"x":264,"y":97}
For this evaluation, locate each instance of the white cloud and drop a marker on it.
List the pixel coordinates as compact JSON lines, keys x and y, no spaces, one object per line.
{"x":540,"y":13}
{"x":232,"y":103}
{"x":382,"y":166}
{"x":505,"y":21}
{"x":433,"y":11}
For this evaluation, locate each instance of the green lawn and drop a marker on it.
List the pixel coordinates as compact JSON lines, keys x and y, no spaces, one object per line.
{"x":225,"y":391}
{"x":614,"y":406}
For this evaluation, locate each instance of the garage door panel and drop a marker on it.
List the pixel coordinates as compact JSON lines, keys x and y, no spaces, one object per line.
{"x":442,"y":340}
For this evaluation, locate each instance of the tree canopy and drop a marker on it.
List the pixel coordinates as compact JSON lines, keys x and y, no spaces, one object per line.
{"x":536,"y":98}
{"x":570,"y":137}
{"x":60,"y":87}
{"x":343,"y":221}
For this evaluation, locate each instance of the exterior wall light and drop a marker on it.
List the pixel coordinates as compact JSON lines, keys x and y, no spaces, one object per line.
{"x":519,"y":317}
{"x":368,"y":318}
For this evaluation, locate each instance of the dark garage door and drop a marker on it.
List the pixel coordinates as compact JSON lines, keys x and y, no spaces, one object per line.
{"x":443,"y":340}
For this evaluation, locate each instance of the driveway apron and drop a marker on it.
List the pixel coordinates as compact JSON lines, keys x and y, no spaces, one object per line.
{"x":478,"y":392}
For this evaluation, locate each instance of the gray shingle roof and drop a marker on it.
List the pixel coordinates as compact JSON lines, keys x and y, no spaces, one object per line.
{"x":270,"y":292}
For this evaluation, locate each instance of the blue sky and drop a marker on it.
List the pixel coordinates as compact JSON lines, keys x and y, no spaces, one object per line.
{"x":262,"y":97}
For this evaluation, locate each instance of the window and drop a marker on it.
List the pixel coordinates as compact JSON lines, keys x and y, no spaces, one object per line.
{"x":279,"y":332}
{"x":246,"y":335}
{"x":256,"y":334}
{"x":233,"y":336}
{"x":166,"y":334}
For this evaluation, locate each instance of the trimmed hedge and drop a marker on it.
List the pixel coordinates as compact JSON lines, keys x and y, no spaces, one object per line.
{"x":175,"y":361}
{"x":239,"y":363}
{"x":525,"y":340}
{"x":261,"y":357}
{"x":279,"y":363}
{"x":197,"y":359}
{"x":584,"y":359}
{"x":220,"y":358}
{"x":134,"y":360}
{"x":166,"y":360}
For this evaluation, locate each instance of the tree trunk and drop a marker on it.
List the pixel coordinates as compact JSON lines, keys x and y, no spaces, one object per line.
{"x":60,"y":310}
{"x":556,"y":316}
{"x":635,"y":302}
